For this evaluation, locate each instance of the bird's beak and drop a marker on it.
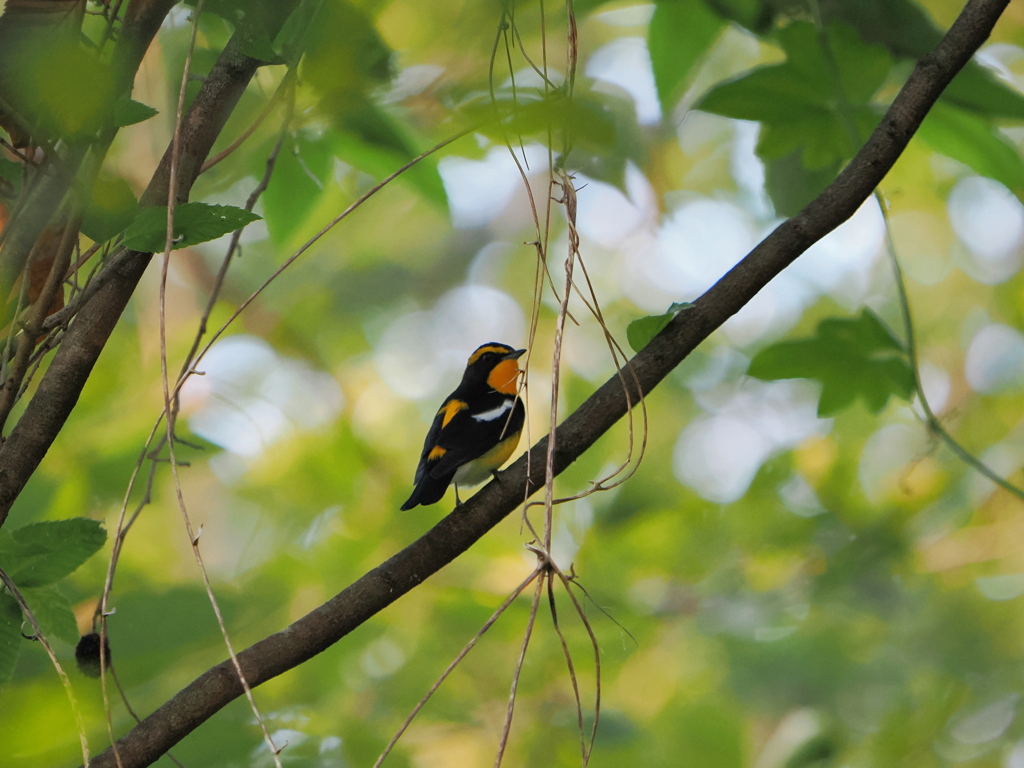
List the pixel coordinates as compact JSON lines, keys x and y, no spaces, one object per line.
{"x":515,"y":355}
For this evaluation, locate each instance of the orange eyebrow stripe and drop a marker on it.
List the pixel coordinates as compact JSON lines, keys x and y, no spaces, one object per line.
{"x":450,"y":409}
{"x":436,"y":453}
{"x":489,"y":348}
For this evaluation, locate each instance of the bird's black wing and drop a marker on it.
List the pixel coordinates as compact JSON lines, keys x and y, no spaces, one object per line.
{"x":430,"y":442}
{"x":467,"y":437}
{"x":456,"y":437}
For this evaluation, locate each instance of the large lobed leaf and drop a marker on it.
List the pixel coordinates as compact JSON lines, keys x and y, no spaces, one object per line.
{"x":816,"y":108}
{"x":816,"y":105}
{"x":851,"y":357}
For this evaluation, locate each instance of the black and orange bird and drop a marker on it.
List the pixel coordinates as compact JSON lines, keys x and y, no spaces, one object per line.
{"x":477,"y":428}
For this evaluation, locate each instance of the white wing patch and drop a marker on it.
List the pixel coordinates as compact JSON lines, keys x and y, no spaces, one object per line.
{"x":494,"y":413}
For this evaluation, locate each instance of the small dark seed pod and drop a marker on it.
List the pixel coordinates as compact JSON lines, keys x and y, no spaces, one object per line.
{"x":87,"y":654}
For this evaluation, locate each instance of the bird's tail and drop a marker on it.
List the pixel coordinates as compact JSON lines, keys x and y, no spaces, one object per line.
{"x":429,"y":490}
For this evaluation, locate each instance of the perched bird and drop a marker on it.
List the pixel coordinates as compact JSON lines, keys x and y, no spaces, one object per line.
{"x":476,"y":429}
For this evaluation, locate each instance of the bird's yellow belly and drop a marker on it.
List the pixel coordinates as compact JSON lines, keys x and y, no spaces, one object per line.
{"x":479,"y":470}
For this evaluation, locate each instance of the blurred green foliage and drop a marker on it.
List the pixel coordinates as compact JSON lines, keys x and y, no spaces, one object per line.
{"x":850,"y":357}
{"x":854,"y":599}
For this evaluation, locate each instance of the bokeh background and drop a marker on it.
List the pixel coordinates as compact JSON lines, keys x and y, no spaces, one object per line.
{"x":775,"y":586}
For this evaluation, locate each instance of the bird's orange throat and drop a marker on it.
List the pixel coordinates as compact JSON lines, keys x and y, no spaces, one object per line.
{"x":505,"y":377}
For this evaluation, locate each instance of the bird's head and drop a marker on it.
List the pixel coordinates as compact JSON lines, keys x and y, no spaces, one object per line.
{"x":496,"y":365}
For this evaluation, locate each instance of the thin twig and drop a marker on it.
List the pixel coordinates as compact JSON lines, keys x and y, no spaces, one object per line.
{"x":172,"y":196}
{"x":30,"y":330}
{"x":287,"y":83}
{"x":932,"y":422}
{"x":313,"y":240}
{"x":507,"y":728}
{"x":131,"y":710}
{"x":567,"y":583}
{"x":455,"y":662}
{"x":568,"y":663}
{"x":64,"y":679}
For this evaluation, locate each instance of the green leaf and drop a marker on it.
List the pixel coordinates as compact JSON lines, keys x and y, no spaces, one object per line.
{"x":301,"y":172}
{"x":978,"y":89}
{"x":10,"y":635}
{"x":42,"y":553}
{"x":756,"y":15}
{"x":345,"y":55}
{"x":976,"y":143}
{"x":792,"y":185}
{"x":251,"y":20}
{"x":899,"y":25}
{"x":53,"y":612}
{"x":851,"y":357}
{"x":602,"y":125}
{"x":376,"y":143}
{"x":112,"y":207}
{"x":640,"y":332}
{"x":258,"y":45}
{"x":193,"y":223}
{"x":10,"y":172}
{"x":814,"y":108}
{"x":804,"y":81}
{"x":129,"y":112}
{"x":66,"y":87}
{"x":680,"y":33}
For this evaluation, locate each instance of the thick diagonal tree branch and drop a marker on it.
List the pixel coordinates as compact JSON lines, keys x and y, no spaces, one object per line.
{"x":456,"y":533}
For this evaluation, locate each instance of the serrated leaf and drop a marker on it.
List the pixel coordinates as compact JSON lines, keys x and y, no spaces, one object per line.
{"x":129,"y":112}
{"x":42,"y":553}
{"x":851,"y":357}
{"x":193,"y":223}
{"x":640,"y":332}
{"x":10,"y":635}
{"x":679,"y":35}
{"x":53,"y":612}
{"x":976,"y":143}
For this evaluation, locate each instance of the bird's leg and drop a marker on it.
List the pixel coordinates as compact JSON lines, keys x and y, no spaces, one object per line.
{"x":496,"y":476}
{"x":458,"y":501}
